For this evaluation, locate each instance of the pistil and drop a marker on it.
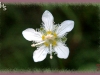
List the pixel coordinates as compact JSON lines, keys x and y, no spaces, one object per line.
{"x":33,"y":45}
{"x":51,"y":51}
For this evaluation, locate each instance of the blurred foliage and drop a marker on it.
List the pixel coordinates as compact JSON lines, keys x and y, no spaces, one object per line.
{"x":83,"y":40}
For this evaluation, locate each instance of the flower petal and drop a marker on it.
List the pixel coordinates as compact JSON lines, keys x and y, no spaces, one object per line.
{"x":61,"y":50}
{"x":47,"y":18}
{"x":31,"y":35}
{"x":66,"y":26}
{"x":40,"y":54}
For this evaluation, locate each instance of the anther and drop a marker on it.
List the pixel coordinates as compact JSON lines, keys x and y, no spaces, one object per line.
{"x":51,"y":56}
{"x":33,"y":45}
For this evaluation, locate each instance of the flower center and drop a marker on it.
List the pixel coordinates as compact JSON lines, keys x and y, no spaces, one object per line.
{"x":49,"y":38}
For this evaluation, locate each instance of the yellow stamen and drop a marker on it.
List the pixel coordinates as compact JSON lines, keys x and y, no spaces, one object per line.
{"x":54,"y":43}
{"x":46,"y":44}
{"x":49,"y":32}
{"x":49,"y":38}
{"x":55,"y":35}
{"x":43,"y":37}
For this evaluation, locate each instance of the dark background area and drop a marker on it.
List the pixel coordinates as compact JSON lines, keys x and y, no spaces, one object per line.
{"x":83,"y":40}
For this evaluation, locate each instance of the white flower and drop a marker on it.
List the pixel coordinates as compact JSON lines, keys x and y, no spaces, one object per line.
{"x":50,"y":38}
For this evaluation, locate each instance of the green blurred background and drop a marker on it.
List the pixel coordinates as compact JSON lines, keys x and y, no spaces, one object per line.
{"x":83,"y":40}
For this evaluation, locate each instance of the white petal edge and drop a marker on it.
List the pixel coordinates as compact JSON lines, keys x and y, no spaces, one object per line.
{"x":40,"y":54}
{"x":47,"y":19}
{"x":62,"y":50}
{"x":65,"y":27}
{"x":31,"y":35}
